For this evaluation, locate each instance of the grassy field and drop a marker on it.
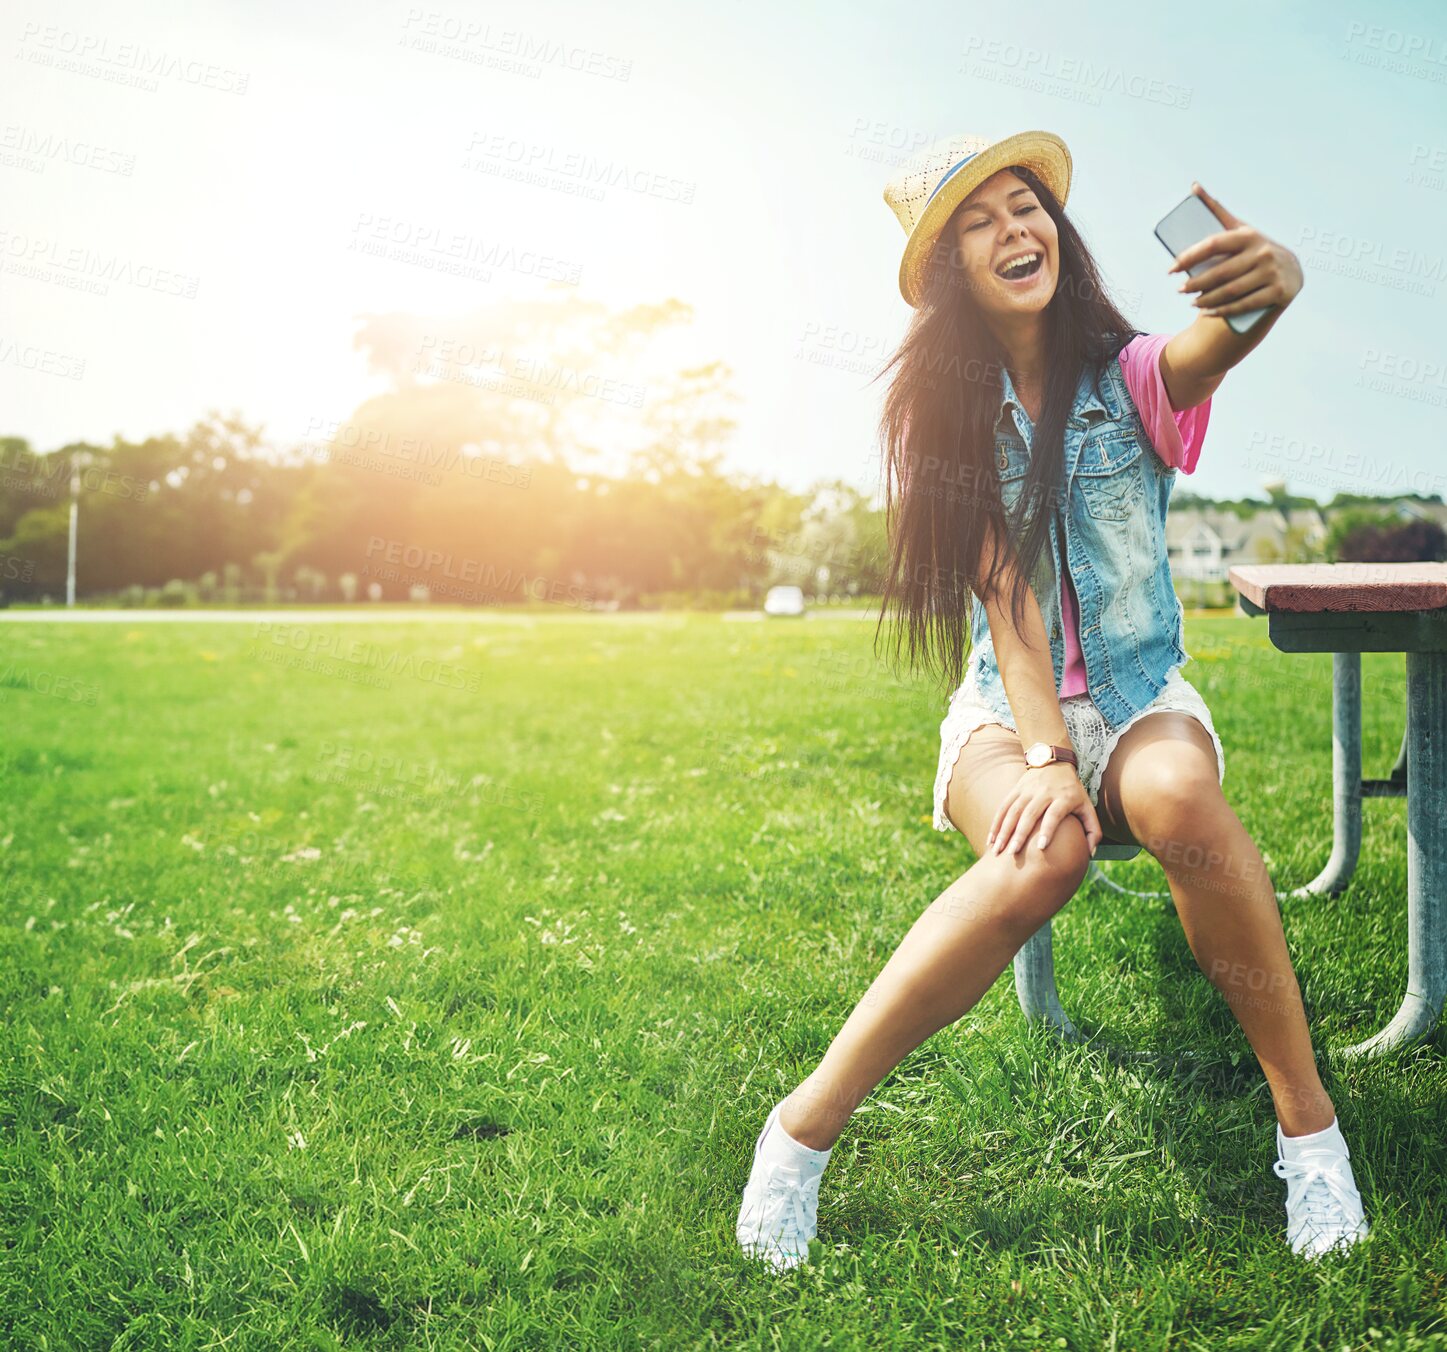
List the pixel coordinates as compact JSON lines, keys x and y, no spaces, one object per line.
{"x":402,"y":986}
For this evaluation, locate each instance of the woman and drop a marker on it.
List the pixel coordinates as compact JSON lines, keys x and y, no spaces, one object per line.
{"x":1026,"y":408}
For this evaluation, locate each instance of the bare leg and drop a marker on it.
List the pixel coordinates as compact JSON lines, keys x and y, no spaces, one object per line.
{"x":953,"y":953}
{"x":1160,"y":787}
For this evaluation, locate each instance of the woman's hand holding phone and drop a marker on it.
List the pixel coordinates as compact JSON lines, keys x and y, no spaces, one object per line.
{"x":1047,"y":795}
{"x":1255,"y":272}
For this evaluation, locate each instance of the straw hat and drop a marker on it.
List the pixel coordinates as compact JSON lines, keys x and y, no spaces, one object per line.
{"x":935,"y":180}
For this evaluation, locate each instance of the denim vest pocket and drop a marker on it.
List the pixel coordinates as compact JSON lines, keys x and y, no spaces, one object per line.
{"x":1110,"y":475}
{"x":1012,"y":462}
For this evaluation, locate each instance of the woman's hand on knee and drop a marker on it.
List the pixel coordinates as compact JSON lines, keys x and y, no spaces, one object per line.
{"x":1045,"y":796}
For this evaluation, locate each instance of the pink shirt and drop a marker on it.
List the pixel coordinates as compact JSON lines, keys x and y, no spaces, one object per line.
{"x":1175,"y":437}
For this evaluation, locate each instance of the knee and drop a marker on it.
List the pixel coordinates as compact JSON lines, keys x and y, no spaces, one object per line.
{"x":1041,"y":882}
{"x":1176,"y":809}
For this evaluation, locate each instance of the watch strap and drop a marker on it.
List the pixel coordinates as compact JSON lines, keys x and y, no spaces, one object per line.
{"x":1062,"y":754}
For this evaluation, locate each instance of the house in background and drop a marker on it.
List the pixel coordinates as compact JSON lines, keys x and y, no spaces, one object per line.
{"x":1204,"y":543}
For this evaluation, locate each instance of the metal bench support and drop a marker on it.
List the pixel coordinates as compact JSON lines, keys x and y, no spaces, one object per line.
{"x":1035,"y":965}
{"x":1346,"y":777}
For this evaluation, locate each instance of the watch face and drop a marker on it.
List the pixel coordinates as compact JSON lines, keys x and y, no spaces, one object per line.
{"x":1038,"y":756}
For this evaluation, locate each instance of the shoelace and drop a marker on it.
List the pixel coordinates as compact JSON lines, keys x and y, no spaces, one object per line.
{"x":1325,"y":1191}
{"x":786,"y":1210}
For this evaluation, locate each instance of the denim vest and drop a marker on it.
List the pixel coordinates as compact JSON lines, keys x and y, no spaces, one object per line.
{"x":1113,"y":514}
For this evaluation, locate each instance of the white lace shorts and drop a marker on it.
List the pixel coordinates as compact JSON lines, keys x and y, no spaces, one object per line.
{"x":1089,"y":735}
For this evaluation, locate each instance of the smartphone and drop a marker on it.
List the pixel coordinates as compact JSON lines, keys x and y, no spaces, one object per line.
{"x":1183,"y":226}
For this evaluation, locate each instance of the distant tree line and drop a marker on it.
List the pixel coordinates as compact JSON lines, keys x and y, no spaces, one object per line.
{"x":217,"y":516}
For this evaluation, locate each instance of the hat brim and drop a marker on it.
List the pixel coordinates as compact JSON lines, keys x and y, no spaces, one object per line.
{"x":1042,"y":152}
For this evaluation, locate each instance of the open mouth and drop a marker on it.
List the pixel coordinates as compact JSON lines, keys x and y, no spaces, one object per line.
{"x":1023,"y":267}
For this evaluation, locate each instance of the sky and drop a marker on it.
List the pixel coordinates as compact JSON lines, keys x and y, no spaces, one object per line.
{"x":232,"y":164}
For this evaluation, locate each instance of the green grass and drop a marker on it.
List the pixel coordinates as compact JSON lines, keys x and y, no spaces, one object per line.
{"x":443,"y":1012}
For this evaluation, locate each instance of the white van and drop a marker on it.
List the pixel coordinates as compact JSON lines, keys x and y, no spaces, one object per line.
{"x":784,"y":601}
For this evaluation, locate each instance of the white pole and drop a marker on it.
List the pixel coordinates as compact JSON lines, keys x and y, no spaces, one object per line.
{"x":74,"y":517}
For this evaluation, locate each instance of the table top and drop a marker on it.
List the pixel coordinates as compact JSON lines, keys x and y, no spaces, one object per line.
{"x":1352,"y":587}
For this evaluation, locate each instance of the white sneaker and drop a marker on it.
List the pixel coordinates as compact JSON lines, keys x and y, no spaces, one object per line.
{"x":778,"y":1216}
{"x":1323,"y":1207}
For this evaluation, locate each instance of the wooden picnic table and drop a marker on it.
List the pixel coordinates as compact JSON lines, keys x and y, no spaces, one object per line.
{"x":1347,"y":609}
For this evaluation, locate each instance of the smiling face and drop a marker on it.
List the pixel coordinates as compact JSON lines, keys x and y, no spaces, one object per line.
{"x":1002,"y":221}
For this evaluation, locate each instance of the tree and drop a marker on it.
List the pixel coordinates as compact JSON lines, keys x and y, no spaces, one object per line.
{"x":1364,"y":535}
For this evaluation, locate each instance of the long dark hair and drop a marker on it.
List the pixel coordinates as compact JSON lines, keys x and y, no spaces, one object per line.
{"x":942,"y":496}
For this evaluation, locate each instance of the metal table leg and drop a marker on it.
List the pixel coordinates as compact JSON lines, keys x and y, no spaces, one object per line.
{"x":1346,"y":777}
{"x":1426,"y":856}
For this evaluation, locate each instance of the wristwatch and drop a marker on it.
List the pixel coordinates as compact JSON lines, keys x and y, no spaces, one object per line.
{"x":1042,"y":753}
